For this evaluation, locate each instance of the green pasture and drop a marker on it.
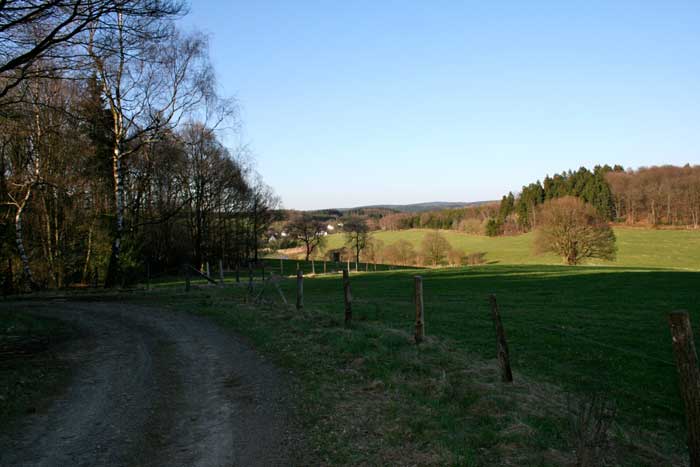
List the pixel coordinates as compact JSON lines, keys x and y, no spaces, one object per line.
{"x":636,"y":247}
{"x":585,"y":329}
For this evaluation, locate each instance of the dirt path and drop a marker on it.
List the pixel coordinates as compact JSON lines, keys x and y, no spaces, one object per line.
{"x":155,"y":388}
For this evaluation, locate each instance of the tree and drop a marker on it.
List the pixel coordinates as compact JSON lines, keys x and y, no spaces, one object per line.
{"x":308,"y":230}
{"x":151,"y":76}
{"x":435,"y":247}
{"x":356,"y":235}
{"x":526,"y":206}
{"x":374,"y":251}
{"x":574,"y":230}
{"x":400,"y":252}
{"x":506,"y":207}
{"x":455,"y":257}
{"x":493,"y":228}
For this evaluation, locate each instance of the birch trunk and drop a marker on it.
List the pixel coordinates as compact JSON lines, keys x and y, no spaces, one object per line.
{"x":20,"y":242}
{"x":86,"y":268}
{"x":113,"y":271}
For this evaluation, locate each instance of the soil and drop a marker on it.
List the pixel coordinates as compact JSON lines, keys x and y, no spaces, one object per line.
{"x":153,"y":387}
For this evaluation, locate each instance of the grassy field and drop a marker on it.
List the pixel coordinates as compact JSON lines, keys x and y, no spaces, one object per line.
{"x":578,"y":331}
{"x":636,"y":247}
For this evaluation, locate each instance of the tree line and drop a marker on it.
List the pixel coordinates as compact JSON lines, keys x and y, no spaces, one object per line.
{"x":110,"y":149}
{"x":652,"y":196}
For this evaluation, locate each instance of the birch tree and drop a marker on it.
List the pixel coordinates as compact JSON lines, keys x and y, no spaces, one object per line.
{"x":151,"y":76}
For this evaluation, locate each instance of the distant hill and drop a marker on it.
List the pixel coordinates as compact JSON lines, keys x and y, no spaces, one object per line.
{"x":419,"y":207}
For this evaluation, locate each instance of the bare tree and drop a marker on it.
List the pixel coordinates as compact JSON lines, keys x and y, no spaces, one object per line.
{"x":356,"y":236}
{"x":48,"y":30}
{"x":151,"y":76}
{"x":374,"y":251}
{"x":574,"y":230}
{"x":435,"y":247}
{"x":309,"y":231}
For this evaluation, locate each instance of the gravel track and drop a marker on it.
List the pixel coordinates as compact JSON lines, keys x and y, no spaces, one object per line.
{"x":152,"y":388}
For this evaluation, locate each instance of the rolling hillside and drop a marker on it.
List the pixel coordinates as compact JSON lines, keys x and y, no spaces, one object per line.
{"x":636,"y":247}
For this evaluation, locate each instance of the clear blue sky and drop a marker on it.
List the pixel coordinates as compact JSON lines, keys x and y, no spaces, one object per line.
{"x":348,"y":103}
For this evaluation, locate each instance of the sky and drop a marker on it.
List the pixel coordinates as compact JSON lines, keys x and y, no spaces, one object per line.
{"x":349,"y":103}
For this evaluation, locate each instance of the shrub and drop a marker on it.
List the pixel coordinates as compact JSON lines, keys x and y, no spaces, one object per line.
{"x":475,"y":258}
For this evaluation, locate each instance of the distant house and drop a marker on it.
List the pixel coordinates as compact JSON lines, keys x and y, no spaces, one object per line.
{"x":330,"y":227}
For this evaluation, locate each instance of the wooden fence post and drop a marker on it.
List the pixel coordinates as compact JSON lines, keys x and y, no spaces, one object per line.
{"x":221,"y":272}
{"x":238,"y":272}
{"x":148,"y":275}
{"x":208,"y":270}
{"x":348,"y":263}
{"x":420,"y":311}
{"x":347,"y":297}
{"x":501,"y":343}
{"x":187,"y":277}
{"x":324,"y":266}
{"x":688,"y":378}
{"x":300,"y":289}
{"x":313,"y":267}
{"x":250,"y":274}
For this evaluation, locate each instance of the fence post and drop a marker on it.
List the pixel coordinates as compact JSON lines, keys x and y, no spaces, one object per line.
{"x":300,"y":289}
{"x":148,"y":275}
{"x":187,"y":277}
{"x":238,"y":272}
{"x":348,"y":263}
{"x":347,"y":297}
{"x":420,"y":311}
{"x":221,"y":271}
{"x":688,"y":378}
{"x":250,"y":274}
{"x":313,"y":267}
{"x":366,"y":266}
{"x":208,"y":270}
{"x":501,"y":343}
{"x":324,"y":266}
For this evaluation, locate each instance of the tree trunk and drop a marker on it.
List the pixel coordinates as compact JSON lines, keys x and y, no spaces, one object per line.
{"x":114,"y":270}
{"x":86,"y":268}
{"x":19,"y":241}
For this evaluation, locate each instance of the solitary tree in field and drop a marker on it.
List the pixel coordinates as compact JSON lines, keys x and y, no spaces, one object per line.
{"x":574,"y":230}
{"x":435,"y":247}
{"x":309,"y":231}
{"x":356,"y":235}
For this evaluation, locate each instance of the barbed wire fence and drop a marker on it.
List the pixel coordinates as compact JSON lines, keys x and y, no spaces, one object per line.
{"x":280,"y":282}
